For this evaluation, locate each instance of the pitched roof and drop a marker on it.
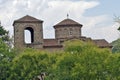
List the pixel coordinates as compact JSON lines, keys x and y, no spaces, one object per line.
{"x":102,"y":43}
{"x":68,"y":22}
{"x":28,"y":18}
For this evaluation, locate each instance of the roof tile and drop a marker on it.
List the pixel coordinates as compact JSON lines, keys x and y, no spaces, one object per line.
{"x":28,"y":18}
{"x":102,"y":43}
{"x":68,"y":22}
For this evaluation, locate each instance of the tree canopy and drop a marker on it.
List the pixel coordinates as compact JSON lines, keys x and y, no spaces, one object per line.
{"x":78,"y":61}
{"x":116,"y":46}
{"x":82,"y":61}
{"x":117,"y":20}
{"x":6,"y":53}
{"x":4,"y":34}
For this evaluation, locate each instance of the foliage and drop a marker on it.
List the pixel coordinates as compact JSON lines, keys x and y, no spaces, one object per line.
{"x":77,"y":46}
{"x":4,"y":34}
{"x":30,"y":64}
{"x":117,"y":20}
{"x":116,"y":46}
{"x":88,"y":63}
{"x":6,"y":56}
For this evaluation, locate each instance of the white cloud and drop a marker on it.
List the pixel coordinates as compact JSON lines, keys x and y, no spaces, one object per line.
{"x":57,"y":11}
{"x":99,"y":27}
{"x":53,"y":11}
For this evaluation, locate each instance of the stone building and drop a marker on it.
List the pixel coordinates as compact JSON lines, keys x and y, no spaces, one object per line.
{"x":34,"y":26}
{"x":65,"y":30}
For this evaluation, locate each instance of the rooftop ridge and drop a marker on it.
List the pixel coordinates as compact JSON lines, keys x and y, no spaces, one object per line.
{"x":68,"y":22}
{"x":27,"y":18}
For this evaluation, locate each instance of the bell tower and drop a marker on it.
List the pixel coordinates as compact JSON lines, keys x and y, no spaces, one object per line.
{"x":34,"y":26}
{"x":67,"y":28}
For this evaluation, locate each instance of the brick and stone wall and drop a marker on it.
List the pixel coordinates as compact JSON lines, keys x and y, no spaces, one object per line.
{"x":67,"y":32}
{"x":19,"y":38}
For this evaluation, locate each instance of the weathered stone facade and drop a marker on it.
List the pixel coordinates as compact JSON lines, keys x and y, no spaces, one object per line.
{"x":67,"y":29}
{"x":64,"y":30}
{"x":34,"y":26}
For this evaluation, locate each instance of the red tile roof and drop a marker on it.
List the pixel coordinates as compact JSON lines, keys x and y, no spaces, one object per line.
{"x":68,"y":22}
{"x":102,"y":43}
{"x":53,"y":43}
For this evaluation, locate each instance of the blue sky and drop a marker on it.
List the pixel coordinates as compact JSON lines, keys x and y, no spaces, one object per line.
{"x":97,"y":16}
{"x":109,"y":7}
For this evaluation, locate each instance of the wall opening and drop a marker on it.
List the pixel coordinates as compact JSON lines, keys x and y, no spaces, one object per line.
{"x":71,"y":32}
{"x":28,"y":35}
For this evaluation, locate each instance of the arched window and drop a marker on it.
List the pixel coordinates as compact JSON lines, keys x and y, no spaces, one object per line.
{"x":28,"y":35}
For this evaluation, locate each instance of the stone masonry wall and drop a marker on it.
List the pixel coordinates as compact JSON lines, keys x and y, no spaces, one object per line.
{"x":68,"y":32}
{"x":19,"y":39}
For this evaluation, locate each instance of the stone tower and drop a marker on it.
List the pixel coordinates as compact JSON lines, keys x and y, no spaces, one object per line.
{"x":34,"y":26}
{"x":67,"y":29}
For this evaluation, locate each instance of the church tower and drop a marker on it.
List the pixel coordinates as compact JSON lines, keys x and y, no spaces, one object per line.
{"x":67,"y":28}
{"x":34,"y":26}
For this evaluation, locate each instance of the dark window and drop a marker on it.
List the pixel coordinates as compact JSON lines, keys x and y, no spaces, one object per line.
{"x":28,"y":35}
{"x":71,"y":31}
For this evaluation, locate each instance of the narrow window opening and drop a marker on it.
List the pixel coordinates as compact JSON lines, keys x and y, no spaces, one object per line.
{"x":28,"y":35}
{"x":71,"y":32}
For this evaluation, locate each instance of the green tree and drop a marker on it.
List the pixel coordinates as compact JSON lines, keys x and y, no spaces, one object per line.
{"x":6,"y":53}
{"x":116,"y":46}
{"x":4,"y":34}
{"x":6,"y":56}
{"x":30,"y":64}
{"x":78,"y":46}
{"x":117,"y":20}
{"x":88,"y":63}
